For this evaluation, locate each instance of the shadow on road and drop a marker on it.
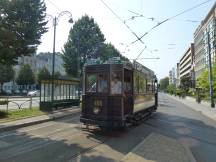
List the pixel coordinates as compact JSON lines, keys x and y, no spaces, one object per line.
{"x":55,"y":143}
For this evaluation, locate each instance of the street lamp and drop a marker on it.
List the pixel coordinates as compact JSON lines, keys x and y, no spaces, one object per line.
{"x":55,"y":21}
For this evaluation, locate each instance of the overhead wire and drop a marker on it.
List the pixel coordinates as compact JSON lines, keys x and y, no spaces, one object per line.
{"x":118,"y":17}
{"x":140,"y":53}
{"x":54,"y":5}
{"x":172,"y":17}
{"x":153,"y":19}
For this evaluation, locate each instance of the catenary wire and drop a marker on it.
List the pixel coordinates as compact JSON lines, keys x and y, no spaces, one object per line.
{"x":54,"y":5}
{"x":118,"y":17}
{"x":172,"y":17}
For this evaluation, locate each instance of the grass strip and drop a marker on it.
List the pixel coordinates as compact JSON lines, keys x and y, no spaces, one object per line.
{"x":12,"y":115}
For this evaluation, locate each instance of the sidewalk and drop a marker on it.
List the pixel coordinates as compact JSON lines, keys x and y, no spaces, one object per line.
{"x":203,"y":107}
{"x":39,"y":119}
{"x":159,"y":148}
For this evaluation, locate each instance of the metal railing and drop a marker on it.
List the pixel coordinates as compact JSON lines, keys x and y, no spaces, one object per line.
{"x":18,"y":102}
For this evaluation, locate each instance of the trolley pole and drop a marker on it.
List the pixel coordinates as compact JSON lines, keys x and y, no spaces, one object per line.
{"x":210,"y":73}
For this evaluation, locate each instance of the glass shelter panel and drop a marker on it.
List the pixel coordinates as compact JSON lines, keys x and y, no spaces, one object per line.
{"x":42,"y":92}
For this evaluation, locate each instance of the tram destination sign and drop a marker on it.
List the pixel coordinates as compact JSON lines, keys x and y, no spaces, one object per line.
{"x":139,"y":67}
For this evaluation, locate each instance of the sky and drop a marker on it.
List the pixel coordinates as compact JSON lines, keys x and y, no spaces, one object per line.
{"x":168,"y":42}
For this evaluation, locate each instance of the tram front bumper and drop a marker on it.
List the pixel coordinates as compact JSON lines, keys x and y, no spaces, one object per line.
{"x":102,"y":123}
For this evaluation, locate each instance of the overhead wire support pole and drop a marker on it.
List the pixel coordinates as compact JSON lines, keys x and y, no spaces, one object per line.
{"x":53,"y":60}
{"x":210,"y":73}
{"x":54,"y":39}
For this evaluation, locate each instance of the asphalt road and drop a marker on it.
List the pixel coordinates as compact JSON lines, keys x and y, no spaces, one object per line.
{"x":64,"y":140}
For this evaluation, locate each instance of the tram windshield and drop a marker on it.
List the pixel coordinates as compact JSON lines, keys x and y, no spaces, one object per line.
{"x":97,"y":83}
{"x":116,"y":83}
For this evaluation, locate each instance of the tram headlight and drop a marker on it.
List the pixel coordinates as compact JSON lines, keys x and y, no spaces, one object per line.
{"x":96,"y":109}
{"x":97,"y":106}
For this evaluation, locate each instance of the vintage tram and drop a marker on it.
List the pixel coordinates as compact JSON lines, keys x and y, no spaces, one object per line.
{"x":117,"y":93}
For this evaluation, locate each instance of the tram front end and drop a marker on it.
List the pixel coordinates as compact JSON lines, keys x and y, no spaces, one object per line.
{"x":99,"y":106}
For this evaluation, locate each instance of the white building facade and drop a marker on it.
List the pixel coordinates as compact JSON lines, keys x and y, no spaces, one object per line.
{"x":201,"y":44}
{"x":36,"y":62}
{"x":186,"y":65}
{"x":46,"y":60}
{"x":172,"y":76}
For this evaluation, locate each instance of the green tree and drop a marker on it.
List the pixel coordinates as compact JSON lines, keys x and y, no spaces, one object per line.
{"x":84,"y":42}
{"x":203,"y":82}
{"x":22,"y":23}
{"x":185,"y":83}
{"x":171,"y":89}
{"x":43,"y":74}
{"x":57,"y":75}
{"x":25,"y":76}
{"x":108,"y":51}
{"x":164,"y":83}
{"x":6,"y":74}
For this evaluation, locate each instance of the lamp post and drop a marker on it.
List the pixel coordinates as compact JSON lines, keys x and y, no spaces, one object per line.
{"x":55,"y":21}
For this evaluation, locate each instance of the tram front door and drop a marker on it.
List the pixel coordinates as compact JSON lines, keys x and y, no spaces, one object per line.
{"x":128,"y":91}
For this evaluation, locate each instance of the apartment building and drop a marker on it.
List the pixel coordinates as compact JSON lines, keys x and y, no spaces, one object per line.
{"x":207,"y":27}
{"x":172,"y":76}
{"x":45,"y":60}
{"x":36,"y":62}
{"x":177,"y":74}
{"x":186,"y":62}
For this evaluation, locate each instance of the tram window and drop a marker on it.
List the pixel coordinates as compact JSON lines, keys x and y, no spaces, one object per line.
{"x":149,"y":86}
{"x":127,"y":86}
{"x":142,"y":85}
{"x":136,"y":82}
{"x":102,"y":83}
{"x":153,"y":86}
{"x":91,"y":83}
{"x":116,"y":83}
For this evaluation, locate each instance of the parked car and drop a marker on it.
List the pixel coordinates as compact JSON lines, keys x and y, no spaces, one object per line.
{"x":33,"y":93}
{"x":17,"y":91}
{"x":8,"y":92}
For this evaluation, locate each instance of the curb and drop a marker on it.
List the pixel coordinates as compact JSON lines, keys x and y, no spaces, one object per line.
{"x":12,"y":127}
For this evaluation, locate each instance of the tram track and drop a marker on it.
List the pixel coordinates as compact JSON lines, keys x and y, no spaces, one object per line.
{"x":86,"y":150}
{"x":39,"y":141}
{"x":38,"y":126}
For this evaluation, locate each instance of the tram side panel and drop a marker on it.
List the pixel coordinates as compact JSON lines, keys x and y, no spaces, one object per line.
{"x":143,"y":102}
{"x":144,"y":91}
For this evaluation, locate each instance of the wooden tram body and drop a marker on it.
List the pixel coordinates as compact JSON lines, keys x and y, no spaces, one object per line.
{"x":107,"y":107}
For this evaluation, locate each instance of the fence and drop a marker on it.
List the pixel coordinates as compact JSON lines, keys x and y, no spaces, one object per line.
{"x":12,"y":103}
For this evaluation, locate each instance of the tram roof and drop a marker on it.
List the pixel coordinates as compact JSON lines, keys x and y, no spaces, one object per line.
{"x":127,"y":65}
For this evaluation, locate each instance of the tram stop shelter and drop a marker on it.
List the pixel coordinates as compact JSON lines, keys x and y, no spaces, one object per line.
{"x":59,"y":93}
